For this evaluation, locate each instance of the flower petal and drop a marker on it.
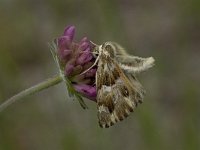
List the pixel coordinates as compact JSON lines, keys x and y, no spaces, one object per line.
{"x":69,"y":69}
{"x":69,"y":31}
{"x":64,"y":42}
{"x":84,"y":46}
{"x":84,"y":58}
{"x":64,"y":54}
{"x":87,"y":90}
{"x":85,"y":39}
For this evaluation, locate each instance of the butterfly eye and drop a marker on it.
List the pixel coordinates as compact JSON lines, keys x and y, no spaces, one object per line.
{"x":108,"y":48}
{"x":95,"y":54}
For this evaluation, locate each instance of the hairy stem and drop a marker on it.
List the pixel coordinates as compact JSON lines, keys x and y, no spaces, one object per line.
{"x":32,"y":90}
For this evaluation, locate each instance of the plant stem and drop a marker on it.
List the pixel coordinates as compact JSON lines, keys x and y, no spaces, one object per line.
{"x":32,"y":90}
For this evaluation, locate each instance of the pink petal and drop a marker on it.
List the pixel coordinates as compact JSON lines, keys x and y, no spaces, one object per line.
{"x":69,"y":69}
{"x":69,"y":31}
{"x":87,"y":90}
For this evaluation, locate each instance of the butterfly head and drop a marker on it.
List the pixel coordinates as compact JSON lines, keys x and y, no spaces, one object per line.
{"x":107,"y":49}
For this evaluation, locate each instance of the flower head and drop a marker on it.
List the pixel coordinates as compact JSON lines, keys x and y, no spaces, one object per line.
{"x":76,"y":58}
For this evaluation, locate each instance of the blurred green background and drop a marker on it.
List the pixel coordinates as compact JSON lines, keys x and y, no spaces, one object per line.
{"x":169,"y":31}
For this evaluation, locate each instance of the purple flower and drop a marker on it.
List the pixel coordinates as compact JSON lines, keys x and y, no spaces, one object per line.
{"x":75,"y":58}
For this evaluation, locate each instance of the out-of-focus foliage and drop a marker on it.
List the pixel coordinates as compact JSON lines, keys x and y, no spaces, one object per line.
{"x":167,"y":30}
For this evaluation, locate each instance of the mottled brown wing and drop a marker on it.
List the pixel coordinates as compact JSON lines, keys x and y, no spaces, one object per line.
{"x":118,"y":93}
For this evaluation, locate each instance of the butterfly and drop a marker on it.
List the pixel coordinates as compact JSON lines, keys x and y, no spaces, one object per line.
{"x":118,"y":90}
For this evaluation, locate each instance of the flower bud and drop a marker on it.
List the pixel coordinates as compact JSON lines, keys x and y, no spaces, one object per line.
{"x":70,"y":32}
